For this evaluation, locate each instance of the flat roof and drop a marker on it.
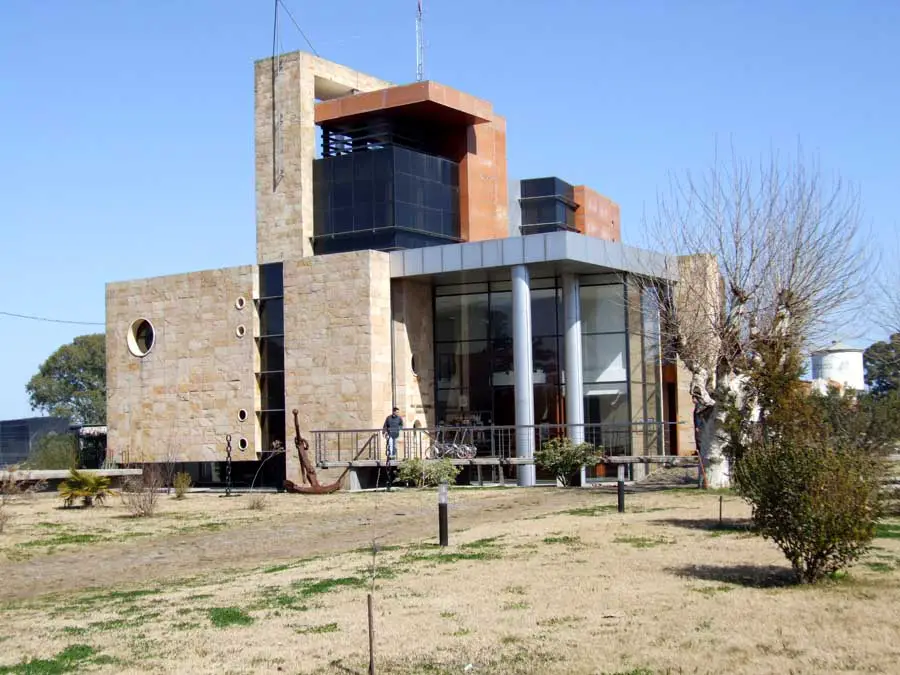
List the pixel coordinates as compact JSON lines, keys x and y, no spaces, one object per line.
{"x":428,"y":100}
{"x":546,"y":253}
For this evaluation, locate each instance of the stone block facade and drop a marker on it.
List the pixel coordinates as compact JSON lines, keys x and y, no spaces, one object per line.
{"x":337,"y":342}
{"x":179,"y":401}
{"x":414,"y":370}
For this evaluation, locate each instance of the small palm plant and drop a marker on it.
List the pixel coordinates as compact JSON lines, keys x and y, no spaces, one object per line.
{"x":84,"y":486}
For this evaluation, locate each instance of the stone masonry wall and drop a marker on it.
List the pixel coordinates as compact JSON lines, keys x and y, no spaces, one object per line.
{"x":337,"y":343}
{"x":414,"y":340}
{"x":285,"y":146}
{"x":178,"y":402}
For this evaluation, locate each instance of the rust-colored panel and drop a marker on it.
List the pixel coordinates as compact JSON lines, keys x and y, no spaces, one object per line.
{"x":597,"y":216}
{"x":483,"y":189}
{"x":422,"y":99}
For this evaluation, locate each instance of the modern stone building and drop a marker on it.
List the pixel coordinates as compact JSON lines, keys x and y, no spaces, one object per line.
{"x":396,"y":264}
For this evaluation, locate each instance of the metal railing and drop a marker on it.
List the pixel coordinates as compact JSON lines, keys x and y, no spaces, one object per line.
{"x":494,"y":442}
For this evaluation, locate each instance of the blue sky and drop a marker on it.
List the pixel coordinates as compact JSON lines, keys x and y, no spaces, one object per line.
{"x":126,"y":127}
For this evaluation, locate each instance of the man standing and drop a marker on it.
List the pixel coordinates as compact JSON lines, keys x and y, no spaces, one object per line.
{"x":391,"y":430}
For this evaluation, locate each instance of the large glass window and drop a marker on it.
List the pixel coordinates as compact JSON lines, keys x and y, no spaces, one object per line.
{"x":461,"y":317}
{"x":603,"y":358}
{"x":602,"y":309}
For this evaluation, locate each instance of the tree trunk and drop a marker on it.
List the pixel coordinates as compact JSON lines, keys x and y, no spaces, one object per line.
{"x":712,"y":452}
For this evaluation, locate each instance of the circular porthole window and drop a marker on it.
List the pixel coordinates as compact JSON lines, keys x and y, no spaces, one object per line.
{"x":242,"y":444}
{"x":240,"y":331}
{"x":242,"y":415}
{"x":141,"y":337}
{"x":240,"y":302}
{"x":412,"y":365}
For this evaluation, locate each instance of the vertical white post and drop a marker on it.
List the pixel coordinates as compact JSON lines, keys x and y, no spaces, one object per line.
{"x":574,"y":388}
{"x":524,"y":389}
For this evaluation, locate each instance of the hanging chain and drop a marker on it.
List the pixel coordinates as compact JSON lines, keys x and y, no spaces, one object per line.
{"x":227,"y":465}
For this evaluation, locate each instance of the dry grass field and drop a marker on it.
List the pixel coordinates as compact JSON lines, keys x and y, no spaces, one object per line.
{"x":534,"y":581}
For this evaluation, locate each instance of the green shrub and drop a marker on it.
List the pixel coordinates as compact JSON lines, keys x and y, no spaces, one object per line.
{"x":817,"y":503}
{"x":53,"y":451}
{"x":88,"y":487}
{"x":181,"y":483}
{"x":429,"y":473}
{"x":564,"y":459}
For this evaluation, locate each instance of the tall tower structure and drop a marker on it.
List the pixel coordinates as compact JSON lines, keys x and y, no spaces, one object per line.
{"x":420,"y":44}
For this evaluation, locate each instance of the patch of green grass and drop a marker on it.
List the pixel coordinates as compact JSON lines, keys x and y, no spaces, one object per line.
{"x":186,"y":625}
{"x":277,"y":568}
{"x":510,"y":640}
{"x":222,"y":617}
{"x":63,"y":540}
{"x":880,"y":567}
{"x":209,"y":526}
{"x":887,"y":531}
{"x":462,"y":632}
{"x":515,"y":605}
{"x":448,"y":615}
{"x":515,"y":590}
{"x":308,"y":587}
{"x":712,"y":590}
{"x":568,"y":540}
{"x":559,"y":621}
{"x":323,"y":628}
{"x":642,"y":542}
{"x":119,"y":596}
{"x":200,"y":596}
{"x":455,"y":557}
{"x":591,"y":511}
{"x":50,"y":526}
{"x":489,"y":542}
{"x":69,"y":660}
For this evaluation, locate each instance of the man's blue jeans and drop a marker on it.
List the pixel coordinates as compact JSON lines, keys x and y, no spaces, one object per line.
{"x":391,"y":447}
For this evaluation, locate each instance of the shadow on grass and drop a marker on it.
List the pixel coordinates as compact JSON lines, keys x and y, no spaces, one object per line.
{"x":749,"y":576}
{"x":726,"y":525}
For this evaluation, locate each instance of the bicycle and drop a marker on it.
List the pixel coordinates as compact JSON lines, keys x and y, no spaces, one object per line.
{"x":450,"y":450}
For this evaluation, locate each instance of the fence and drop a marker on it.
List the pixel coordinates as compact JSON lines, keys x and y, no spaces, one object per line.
{"x":490,"y":442}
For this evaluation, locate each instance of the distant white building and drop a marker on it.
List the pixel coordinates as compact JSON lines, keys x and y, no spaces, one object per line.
{"x":838,"y":365}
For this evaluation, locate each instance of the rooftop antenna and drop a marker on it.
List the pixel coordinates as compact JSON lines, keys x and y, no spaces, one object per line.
{"x":420,"y":44}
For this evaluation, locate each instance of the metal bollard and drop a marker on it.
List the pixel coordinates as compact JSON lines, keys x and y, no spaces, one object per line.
{"x":443,"y":493}
{"x":620,"y":488}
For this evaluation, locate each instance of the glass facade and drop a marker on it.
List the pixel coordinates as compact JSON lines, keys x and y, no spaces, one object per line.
{"x":620,"y":359}
{"x":270,"y":378}
{"x":384,"y":197}
{"x":547,"y":205}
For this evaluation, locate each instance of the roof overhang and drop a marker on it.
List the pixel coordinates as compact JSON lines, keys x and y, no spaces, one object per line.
{"x":422,"y":100}
{"x":546,"y":254}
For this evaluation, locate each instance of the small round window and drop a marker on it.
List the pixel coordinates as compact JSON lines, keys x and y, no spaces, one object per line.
{"x":242,"y":444}
{"x":242,"y":415}
{"x":141,"y":337}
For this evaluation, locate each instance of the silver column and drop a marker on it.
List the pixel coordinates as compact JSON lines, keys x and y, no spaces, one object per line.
{"x":521,"y":309}
{"x":574,"y":388}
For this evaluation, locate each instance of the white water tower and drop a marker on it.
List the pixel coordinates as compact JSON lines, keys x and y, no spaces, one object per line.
{"x":839,"y":364}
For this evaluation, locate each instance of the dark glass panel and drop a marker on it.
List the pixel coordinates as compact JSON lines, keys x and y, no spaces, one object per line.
{"x":545,"y":312}
{"x":545,"y":361}
{"x":271,"y":389}
{"x":271,"y":280}
{"x":463,"y":365}
{"x":501,"y":314}
{"x":271,"y":317}
{"x":271,"y":353}
{"x":461,"y":317}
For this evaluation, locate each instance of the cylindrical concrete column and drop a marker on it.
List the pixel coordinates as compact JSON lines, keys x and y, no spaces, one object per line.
{"x":524,"y":388}
{"x":574,"y":388}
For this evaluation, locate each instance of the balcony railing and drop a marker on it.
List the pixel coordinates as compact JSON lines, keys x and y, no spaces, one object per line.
{"x":489,"y":442}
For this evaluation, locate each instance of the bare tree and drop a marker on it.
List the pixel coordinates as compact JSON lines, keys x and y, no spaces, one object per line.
{"x":764,"y":252}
